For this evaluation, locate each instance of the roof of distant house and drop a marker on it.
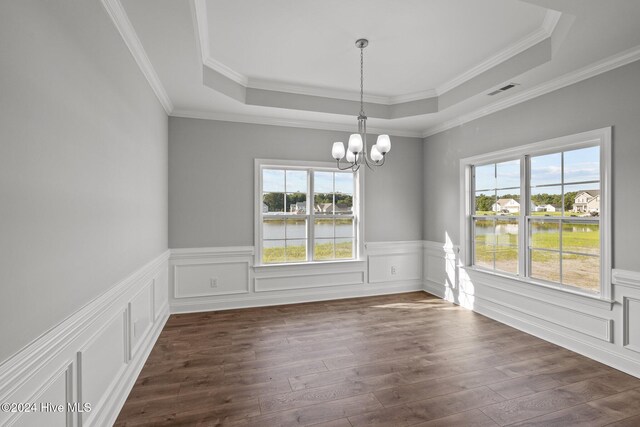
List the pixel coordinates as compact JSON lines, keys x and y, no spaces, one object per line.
{"x":592,"y":193}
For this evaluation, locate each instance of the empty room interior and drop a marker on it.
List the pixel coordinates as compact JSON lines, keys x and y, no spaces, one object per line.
{"x":319,"y":213}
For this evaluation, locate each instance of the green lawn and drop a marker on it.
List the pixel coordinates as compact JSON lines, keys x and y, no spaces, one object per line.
{"x":578,"y":270}
{"x":323,"y":252}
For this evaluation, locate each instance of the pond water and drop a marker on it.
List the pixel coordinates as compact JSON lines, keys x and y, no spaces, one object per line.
{"x":296,"y":229}
{"x":486,"y":227}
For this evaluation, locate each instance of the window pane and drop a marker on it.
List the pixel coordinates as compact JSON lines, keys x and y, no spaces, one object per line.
{"x":323,"y":182}
{"x":508,"y":174}
{"x":344,"y":204}
{"x":273,"y":203}
{"x":296,"y":229}
{"x":323,"y":203}
{"x":544,"y":234}
{"x":581,"y":237}
{"x":546,"y":201}
{"x":507,"y":245}
{"x":546,"y":169}
{"x":273,"y":228}
{"x":484,"y":238}
{"x":582,"y":271}
{"x":273,"y":251}
{"x":484,"y":255}
{"x":296,"y":181}
{"x":485,"y":177}
{"x":323,"y":228}
{"x":344,"y":227}
{"x":344,"y":183}
{"x":296,"y":250}
{"x":582,"y":200}
{"x":545,"y":265}
{"x":323,"y":249}
{"x":507,"y":232}
{"x":344,"y":248}
{"x":272,"y":181}
{"x":297,"y":203}
{"x":508,"y":202}
{"x":507,"y":259}
{"x":582,"y":165}
{"x":484,"y":231}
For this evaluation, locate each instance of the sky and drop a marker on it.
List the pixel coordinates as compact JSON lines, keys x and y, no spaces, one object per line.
{"x":579,"y":166}
{"x":296,"y":181}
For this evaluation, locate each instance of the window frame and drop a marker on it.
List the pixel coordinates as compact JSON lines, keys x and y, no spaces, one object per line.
{"x":311,"y":166}
{"x":598,"y":137}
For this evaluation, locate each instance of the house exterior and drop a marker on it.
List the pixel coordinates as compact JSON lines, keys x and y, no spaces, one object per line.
{"x":506,"y":205}
{"x":328,"y":208}
{"x":298,"y":208}
{"x":551,"y":208}
{"x":587,"y":201}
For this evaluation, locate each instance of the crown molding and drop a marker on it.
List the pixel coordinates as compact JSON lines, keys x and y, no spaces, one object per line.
{"x":305,"y":124}
{"x":544,"y":32}
{"x":200,"y":21}
{"x":254,"y":83}
{"x":125,"y":28}
{"x":623,"y":58}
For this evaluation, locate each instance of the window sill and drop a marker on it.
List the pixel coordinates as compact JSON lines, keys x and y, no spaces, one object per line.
{"x":309,"y":264}
{"x":548,"y":289}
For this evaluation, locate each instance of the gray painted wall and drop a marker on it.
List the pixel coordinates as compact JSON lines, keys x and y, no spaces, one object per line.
{"x":83,"y":164}
{"x":611,"y":99}
{"x":211,"y":182}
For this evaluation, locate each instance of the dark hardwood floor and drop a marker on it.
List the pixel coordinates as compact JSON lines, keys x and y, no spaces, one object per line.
{"x":397,"y":360}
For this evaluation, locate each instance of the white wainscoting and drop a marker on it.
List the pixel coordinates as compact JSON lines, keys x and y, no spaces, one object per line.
{"x":93,"y":357}
{"x":204,"y":279}
{"x":607,"y":331}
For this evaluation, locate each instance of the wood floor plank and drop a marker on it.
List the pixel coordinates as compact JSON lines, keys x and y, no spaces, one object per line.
{"x":391,"y":360}
{"x":472,"y":418}
{"x":429,"y":409}
{"x":524,"y":408}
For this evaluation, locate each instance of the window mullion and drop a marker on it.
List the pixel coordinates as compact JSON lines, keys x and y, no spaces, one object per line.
{"x":311,"y":216}
{"x":523,"y":231}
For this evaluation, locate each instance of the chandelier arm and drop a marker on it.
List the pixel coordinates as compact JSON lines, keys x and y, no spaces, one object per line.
{"x":345,"y":168}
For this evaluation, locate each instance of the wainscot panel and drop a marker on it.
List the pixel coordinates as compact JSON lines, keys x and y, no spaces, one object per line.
{"x":604,"y":330}
{"x":253,"y":286}
{"x":86,"y":363}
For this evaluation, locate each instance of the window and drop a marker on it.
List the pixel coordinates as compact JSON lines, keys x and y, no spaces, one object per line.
{"x":305,"y":213}
{"x":540,"y":213}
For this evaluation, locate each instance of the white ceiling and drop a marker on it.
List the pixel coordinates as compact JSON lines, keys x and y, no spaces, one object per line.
{"x":418,"y":49}
{"x":415,"y":45}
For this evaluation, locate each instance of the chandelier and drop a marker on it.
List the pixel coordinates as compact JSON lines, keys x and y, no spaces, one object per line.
{"x":356,"y":152}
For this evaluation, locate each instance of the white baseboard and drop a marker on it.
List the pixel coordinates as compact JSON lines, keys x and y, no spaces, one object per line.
{"x":606,"y":331}
{"x":93,"y":357}
{"x":259,"y":300}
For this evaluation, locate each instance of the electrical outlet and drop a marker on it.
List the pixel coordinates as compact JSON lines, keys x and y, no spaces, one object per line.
{"x":394,"y":270}
{"x":213,"y":282}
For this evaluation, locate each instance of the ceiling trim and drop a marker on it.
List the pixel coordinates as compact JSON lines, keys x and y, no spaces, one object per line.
{"x":623,"y":58}
{"x":272,"y":121}
{"x":544,"y":32}
{"x":200,"y":11}
{"x":125,"y":28}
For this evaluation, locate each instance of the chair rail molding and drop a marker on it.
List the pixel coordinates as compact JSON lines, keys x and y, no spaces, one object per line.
{"x":89,"y":355}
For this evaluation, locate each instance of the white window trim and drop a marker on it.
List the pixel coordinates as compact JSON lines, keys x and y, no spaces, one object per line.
{"x":601,"y":137}
{"x":358,"y":206}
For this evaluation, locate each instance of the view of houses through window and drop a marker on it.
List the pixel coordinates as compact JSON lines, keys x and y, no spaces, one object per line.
{"x":307,"y":215}
{"x":561,"y":220}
